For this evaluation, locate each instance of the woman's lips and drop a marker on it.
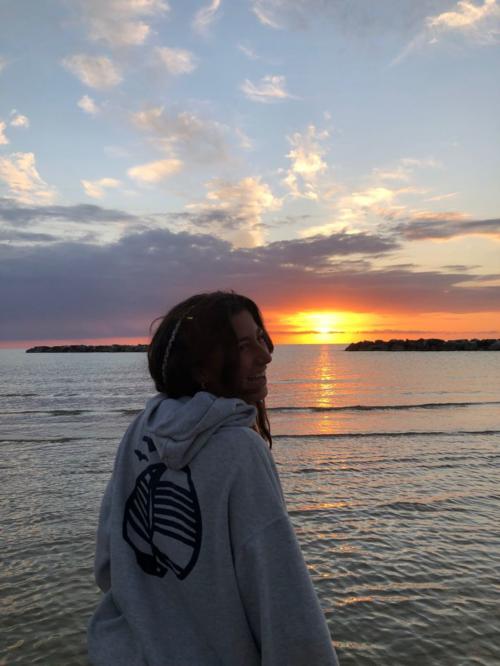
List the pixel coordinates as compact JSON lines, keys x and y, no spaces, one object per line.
{"x":258,"y":380}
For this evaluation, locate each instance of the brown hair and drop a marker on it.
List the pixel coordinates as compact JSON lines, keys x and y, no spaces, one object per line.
{"x":190,"y":334}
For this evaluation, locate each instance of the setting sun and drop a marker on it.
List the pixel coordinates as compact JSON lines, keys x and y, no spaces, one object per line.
{"x":323,"y":322}
{"x":319,"y":326}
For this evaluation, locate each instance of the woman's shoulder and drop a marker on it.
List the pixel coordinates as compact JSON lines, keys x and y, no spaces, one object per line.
{"x":243,"y":441}
{"x":236,"y":447}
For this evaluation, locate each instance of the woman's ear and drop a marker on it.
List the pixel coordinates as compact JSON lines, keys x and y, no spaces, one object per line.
{"x":208,"y":373}
{"x":201,"y":378}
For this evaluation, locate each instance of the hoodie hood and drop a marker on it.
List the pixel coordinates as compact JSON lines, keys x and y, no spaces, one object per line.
{"x":180,"y":428}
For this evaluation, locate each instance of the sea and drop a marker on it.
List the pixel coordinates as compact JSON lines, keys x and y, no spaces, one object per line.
{"x":390,"y":463}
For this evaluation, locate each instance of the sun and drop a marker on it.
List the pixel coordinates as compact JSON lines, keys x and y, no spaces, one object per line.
{"x":319,"y":326}
{"x":323,"y":322}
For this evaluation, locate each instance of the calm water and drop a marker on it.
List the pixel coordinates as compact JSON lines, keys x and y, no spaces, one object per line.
{"x":390,"y":464}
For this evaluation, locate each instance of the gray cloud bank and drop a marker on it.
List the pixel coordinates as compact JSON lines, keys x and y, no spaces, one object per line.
{"x":71,"y":290}
{"x":436,"y":228}
{"x":356,"y":17}
{"x":13,"y":212}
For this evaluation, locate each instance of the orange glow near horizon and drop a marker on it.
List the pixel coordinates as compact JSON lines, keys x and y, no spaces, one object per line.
{"x":325,"y":326}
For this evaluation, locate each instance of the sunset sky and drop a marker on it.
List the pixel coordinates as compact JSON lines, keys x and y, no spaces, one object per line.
{"x":336,"y":160}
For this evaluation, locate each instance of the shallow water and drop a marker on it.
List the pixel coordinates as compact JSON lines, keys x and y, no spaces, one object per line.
{"x":390,"y":465}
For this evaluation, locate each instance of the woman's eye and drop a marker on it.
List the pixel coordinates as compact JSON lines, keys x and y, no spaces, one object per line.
{"x":260,"y":338}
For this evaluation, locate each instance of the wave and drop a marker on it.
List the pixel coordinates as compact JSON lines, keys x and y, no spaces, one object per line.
{"x":333,"y":435}
{"x":414,"y":506}
{"x":405,"y":433}
{"x":132,"y":411}
{"x":73,"y":412}
{"x":52,"y":412}
{"x":55,"y":440}
{"x":459,"y":504}
{"x":369,"y":408}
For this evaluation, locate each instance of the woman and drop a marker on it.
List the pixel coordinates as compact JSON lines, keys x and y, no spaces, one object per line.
{"x":196,"y":556}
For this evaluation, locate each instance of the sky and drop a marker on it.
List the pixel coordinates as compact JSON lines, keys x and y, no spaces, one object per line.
{"x":336,"y":160}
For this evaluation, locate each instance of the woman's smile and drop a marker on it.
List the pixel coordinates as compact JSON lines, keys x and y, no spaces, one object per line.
{"x":259,"y":382}
{"x":254,"y":356}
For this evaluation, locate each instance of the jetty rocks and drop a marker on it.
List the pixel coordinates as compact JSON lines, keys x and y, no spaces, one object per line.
{"x":426,"y":345}
{"x":86,"y":349}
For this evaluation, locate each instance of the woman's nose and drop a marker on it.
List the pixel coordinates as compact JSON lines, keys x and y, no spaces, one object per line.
{"x":265,"y":355}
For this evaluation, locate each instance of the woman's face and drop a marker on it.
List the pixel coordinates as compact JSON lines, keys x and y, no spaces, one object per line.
{"x":250,"y":383}
{"x":254,"y":356}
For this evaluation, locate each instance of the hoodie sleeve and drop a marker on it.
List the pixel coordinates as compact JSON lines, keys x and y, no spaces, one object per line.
{"x":276,"y":590}
{"x":102,"y":563}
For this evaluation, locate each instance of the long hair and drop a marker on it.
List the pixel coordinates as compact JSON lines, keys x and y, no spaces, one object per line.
{"x":189,"y":336}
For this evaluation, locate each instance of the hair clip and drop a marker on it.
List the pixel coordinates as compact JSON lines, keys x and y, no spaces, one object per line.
{"x":171,"y":342}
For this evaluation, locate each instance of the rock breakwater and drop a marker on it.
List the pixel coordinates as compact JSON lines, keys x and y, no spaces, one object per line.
{"x":426,"y":344}
{"x":85,"y":349}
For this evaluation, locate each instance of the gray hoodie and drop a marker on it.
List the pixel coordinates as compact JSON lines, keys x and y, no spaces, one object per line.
{"x":196,"y":555}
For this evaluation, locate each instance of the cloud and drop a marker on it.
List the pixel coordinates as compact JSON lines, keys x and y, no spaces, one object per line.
{"x":397,"y":173}
{"x":280,"y":14}
{"x":271,"y":88}
{"x":121,"y":23}
{"x":357,"y":19}
{"x":444,"y":226}
{"x":18,"y":120}
{"x":155,"y":172}
{"x":23,"y":237}
{"x":3,"y":139}
{"x":306,"y":156}
{"x":387,"y":197}
{"x":363,"y":208}
{"x":370,"y":197}
{"x":3,"y":63}
{"x":479,"y":22}
{"x":94,"y":71}
{"x":356,"y":206}
{"x":404,"y":169}
{"x":250,"y":53}
{"x":77,"y":290}
{"x":88,"y":105}
{"x":442,"y":197}
{"x":235,"y":209}
{"x":13,"y":212}
{"x":205,"y":16}
{"x":195,"y":138}
{"x":18,"y":171}
{"x":177,"y":61}
{"x":267,"y":11}
{"x":319,"y":251}
{"x":96,"y":188}
{"x":86,"y":223}
{"x":245,"y":141}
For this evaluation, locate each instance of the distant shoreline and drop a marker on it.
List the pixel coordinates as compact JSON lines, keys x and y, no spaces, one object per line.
{"x":395,"y":345}
{"x":85,"y":349}
{"x":426,"y":345}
